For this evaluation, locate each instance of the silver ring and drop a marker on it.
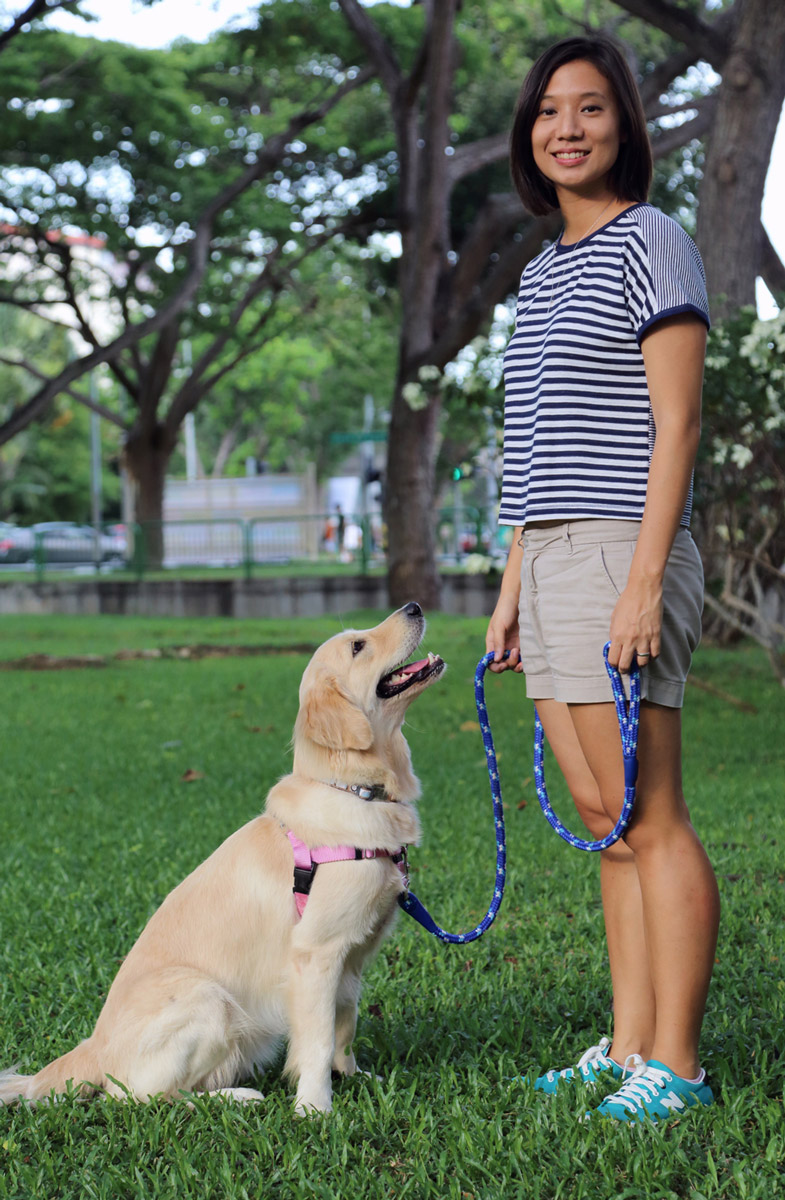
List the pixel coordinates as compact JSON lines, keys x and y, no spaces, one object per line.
{"x":642,"y":654}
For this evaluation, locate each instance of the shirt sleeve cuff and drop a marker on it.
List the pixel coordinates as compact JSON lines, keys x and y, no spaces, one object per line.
{"x":671,"y":312}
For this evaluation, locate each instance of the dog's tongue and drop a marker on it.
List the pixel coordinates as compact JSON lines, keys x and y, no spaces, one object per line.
{"x":412,"y":668}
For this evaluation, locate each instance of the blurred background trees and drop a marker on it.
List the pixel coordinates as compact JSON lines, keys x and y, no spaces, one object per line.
{"x":268,"y":228}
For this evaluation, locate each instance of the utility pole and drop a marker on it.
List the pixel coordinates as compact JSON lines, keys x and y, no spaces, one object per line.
{"x":95,"y":475}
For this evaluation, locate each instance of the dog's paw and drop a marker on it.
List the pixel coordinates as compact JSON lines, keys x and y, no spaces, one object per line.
{"x":313,"y":1106}
{"x":242,"y":1095}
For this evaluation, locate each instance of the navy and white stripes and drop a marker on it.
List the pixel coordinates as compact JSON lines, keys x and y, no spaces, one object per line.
{"x":578,"y":428}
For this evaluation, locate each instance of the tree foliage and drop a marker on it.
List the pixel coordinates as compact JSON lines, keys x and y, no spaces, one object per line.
{"x":235,"y":182}
{"x":45,"y":472}
{"x":185,"y":166}
{"x":740,"y":490}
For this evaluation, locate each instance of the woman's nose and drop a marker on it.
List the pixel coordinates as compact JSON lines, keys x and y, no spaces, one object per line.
{"x":569,"y":125}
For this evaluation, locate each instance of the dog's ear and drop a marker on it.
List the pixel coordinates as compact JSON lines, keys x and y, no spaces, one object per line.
{"x":329,"y":718}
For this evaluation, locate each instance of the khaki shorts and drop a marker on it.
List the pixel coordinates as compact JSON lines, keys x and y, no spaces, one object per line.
{"x":571,"y":577}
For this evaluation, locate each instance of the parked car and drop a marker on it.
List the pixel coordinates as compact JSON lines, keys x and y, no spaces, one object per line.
{"x":16,"y":544}
{"x":67,"y":542}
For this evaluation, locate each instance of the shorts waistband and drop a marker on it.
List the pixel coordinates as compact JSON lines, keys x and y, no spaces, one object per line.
{"x":583,"y":532}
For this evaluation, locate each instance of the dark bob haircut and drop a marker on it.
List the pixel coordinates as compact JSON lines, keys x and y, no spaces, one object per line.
{"x":630,"y":175}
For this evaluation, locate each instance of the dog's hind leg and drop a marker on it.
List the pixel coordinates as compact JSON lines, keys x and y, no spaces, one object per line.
{"x":178,"y":1031}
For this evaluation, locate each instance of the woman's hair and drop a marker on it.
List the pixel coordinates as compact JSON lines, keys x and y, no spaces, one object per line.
{"x":630,"y":176}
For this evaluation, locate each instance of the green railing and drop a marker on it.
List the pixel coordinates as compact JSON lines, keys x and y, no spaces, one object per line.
{"x":353,"y":542}
{"x":262,"y":541}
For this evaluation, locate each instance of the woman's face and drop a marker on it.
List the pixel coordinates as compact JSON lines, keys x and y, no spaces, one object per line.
{"x":577,"y":131}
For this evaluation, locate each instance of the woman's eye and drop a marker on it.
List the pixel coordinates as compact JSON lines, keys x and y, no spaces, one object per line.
{"x":356,"y":648}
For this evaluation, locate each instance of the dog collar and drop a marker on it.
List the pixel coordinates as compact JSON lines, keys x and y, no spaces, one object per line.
{"x":372,"y":791}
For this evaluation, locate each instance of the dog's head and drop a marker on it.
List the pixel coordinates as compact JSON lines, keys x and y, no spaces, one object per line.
{"x":358,"y":685}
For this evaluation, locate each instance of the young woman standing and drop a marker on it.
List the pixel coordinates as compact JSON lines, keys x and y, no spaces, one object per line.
{"x":603,"y":378}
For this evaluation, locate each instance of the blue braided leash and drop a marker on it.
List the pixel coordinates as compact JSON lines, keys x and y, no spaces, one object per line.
{"x":628,"y":717}
{"x":628,"y":727}
{"x":407,"y":900}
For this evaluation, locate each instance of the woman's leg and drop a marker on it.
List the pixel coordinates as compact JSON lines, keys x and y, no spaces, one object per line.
{"x":679,"y":900}
{"x":633,"y":993}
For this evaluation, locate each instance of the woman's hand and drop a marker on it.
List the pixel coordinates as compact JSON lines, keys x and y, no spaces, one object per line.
{"x":636,"y":624}
{"x":503,"y":635}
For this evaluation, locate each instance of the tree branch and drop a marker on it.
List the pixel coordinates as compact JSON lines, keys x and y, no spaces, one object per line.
{"x":32,"y":306}
{"x":710,"y":41}
{"x":772,"y":268}
{"x":468,"y":318}
{"x":473,"y":156}
{"x":38,"y":8}
{"x":266,"y":159}
{"x":663,"y":74}
{"x":672,"y":139}
{"x":199,"y":382}
{"x":376,"y":46}
{"x":93,"y":405}
{"x":498,"y":215}
{"x":196,"y":385}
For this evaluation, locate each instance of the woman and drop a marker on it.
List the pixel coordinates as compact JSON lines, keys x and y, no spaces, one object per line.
{"x":608,"y":349}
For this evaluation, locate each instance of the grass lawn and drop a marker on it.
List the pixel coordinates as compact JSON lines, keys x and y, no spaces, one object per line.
{"x":98,"y":824}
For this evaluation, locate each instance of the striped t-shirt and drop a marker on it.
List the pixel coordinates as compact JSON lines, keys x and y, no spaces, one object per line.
{"x":578,"y":425}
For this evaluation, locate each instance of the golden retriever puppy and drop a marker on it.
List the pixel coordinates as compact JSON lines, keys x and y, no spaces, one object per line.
{"x":233,"y":962}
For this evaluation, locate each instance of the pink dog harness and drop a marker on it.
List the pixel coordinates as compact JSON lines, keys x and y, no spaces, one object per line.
{"x":306,"y":861}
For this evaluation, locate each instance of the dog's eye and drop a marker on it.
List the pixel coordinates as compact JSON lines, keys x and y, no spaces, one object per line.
{"x":357,"y":647}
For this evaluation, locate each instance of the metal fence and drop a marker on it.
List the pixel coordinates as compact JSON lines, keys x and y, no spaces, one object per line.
{"x":353,"y":541}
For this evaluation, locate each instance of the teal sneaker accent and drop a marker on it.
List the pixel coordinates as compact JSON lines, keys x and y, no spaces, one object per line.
{"x":587,"y":1070}
{"x":653,"y":1093}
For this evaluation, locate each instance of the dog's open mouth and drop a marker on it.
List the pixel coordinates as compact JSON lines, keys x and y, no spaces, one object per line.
{"x":404,"y":677}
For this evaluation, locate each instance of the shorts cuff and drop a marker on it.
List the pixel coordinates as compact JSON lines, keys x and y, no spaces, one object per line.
{"x":539,"y":687}
{"x":594,"y":690}
{"x":668,"y":692}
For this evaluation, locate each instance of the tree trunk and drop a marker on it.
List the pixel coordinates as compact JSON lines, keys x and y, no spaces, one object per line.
{"x":425,"y":189}
{"x":409,"y":510}
{"x":147,"y":453}
{"x":749,"y":102}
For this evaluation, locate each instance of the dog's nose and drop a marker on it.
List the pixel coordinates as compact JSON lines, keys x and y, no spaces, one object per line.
{"x":412,"y":609}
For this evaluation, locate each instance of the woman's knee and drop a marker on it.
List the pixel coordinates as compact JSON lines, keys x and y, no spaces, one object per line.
{"x":592,"y":813}
{"x":657,"y":826}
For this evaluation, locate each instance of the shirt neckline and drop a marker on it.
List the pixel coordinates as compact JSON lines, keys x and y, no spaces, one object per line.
{"x":559,"y":249}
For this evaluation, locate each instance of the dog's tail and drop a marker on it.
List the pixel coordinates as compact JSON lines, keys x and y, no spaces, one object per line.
{"x":78,"y":1067}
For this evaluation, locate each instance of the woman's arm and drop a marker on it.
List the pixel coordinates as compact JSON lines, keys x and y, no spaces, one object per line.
{"x":503,"y":626}
{"x":673,"y":353}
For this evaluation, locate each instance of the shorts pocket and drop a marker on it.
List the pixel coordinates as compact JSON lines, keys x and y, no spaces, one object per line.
{"x":615,"y":562}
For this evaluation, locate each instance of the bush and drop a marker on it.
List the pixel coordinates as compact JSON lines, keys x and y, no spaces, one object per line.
{"x":740,"y":481}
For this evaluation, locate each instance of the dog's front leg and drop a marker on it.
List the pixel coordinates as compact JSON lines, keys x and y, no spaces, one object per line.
{"x":313,"y":987}
{"x":344,"y":1061}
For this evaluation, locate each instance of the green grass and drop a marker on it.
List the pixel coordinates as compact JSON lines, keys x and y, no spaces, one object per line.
{"x":97,"y":825}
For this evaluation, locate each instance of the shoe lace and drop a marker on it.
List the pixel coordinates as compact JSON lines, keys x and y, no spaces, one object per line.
{"x":633,"y":1063}
{"x":594,"y":1053}
{"x":643,"y":1084}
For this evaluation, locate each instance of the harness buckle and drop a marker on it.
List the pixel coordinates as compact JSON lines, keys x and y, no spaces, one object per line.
{"x":303,"y":878}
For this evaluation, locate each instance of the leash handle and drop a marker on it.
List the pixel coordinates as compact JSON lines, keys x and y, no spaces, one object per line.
{"x":628,"y":717}
{"x":407,"y":900}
